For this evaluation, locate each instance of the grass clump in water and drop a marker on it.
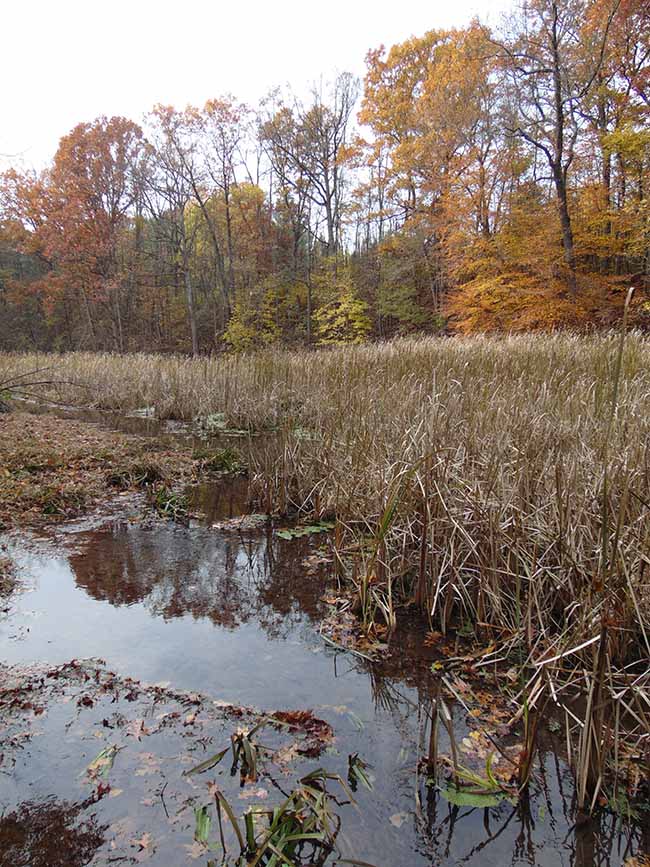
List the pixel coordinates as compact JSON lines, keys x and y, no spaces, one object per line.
{"x":138,"y":474}
{"x":226,"y":460}
{"x":170,"y":503}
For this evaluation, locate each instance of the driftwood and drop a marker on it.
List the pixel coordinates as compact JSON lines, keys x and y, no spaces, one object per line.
{"x":20,"y":385}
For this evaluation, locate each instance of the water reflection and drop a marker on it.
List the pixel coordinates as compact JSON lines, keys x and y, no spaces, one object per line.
{"x":49,"y":834}
{"x":227,"y":578}
{"x":538,"y":831}
{"x":234,"y":615}
{"x":221,"y":500}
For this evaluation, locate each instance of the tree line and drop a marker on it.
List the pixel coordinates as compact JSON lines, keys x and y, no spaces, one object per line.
{"x":476,"y":179}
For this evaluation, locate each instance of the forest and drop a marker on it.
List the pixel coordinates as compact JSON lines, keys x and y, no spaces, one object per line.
{"x":476,"y":180}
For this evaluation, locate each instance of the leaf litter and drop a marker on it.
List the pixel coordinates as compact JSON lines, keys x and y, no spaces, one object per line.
{"x":130,"y":747}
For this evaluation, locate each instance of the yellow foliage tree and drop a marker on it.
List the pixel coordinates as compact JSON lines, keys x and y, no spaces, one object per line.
{"x":342,"y":316}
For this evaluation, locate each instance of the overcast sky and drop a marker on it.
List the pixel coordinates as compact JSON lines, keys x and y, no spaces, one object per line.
{"x":67,"y":61}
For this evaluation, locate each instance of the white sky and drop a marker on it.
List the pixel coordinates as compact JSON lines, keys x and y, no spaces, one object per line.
{"x":67,"y":61}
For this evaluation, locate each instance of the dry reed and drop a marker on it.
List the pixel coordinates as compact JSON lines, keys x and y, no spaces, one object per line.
{"x":500,"y":484}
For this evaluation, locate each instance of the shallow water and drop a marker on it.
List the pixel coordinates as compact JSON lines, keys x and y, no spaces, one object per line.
{"x":236,"y":616}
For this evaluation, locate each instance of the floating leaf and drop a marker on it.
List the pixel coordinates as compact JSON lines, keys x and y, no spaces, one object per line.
{"x":468,"y":798}
{"x":262,"y":794}
{"x":143,"y":842}
{"x":103,"y":762}
{"x":309,"y":530}
{"x":398,"y":819}
{"x":137,"y":729}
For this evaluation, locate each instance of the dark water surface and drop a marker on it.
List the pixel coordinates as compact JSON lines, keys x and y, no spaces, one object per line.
{"x":236,"y":616}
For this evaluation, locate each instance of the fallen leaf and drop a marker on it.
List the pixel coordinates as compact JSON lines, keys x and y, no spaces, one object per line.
{"x":253,"y":793}
{"x":136,"y":729}
{"x":143,"y":842}
{"x":102,"y":789}
{"x":196,"y":850}
{"x":398,"y":819}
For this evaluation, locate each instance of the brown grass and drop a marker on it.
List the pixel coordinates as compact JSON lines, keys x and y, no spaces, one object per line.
{"x":495,"y":483}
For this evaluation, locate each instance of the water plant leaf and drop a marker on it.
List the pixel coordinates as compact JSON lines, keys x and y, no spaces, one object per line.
{"x":207,"y":764}
{"x":308,"y":530}
{"x":355,"y":861}
{"x":222,"y":802}
{"x":468,"y":798}
{"x":358,"y":722}
{"x":203,"y":822}
{"x":103,"y":762}
{"x":357,"y":772}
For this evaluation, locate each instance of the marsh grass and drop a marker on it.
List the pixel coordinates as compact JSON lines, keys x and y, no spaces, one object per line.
{"x":499,"y":485}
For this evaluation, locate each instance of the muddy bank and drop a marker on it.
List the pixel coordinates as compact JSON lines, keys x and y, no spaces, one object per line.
{"x":57,"y":468}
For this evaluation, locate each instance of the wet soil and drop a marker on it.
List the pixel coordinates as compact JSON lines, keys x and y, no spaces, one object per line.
{"x":202,"y":630}
{"x":53,"y":469}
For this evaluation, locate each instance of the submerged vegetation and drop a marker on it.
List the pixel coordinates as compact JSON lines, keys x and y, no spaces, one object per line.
{"x":301,"y":829}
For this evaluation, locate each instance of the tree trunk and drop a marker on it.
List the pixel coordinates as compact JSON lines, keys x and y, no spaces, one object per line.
{"x":231,"y":265}
{"x":191,"y":313}
{"x":558,"y":164}
{"x":567,"y":230}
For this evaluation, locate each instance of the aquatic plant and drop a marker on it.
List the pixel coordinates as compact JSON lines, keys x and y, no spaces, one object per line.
{"x":303,"y":829}
{"x":170,"y":503}
{"x":226,"y":460}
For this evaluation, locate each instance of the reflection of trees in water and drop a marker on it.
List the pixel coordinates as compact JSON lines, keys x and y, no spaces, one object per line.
{"x":225,"y":577}
{"x":49,"y":834}
{"x":232,"y":579}
{"x":604,"y":841}
{"x":406,"y":669}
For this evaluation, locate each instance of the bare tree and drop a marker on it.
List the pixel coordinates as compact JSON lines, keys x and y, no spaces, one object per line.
{"x":304,"y":145}
{"x":552,"y":61}
{"x":167,"y":193}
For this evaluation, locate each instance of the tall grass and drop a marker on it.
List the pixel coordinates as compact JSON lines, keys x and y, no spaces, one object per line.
{"x":495,"y":483}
